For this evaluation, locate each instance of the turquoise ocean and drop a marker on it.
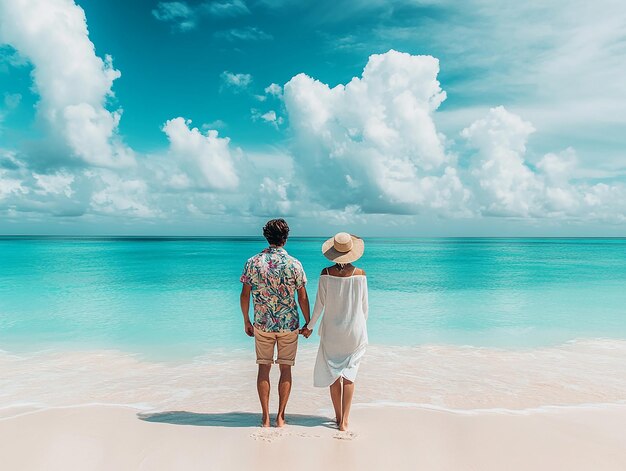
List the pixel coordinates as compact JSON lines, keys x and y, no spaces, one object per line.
{"x":163,"y":297}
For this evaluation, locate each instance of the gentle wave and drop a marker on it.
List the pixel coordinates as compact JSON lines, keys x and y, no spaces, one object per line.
{"x":458,"y":378}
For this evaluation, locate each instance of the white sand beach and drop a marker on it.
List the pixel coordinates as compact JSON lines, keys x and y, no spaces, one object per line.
{"x":114,"y":437}
{"x":429,"y":407}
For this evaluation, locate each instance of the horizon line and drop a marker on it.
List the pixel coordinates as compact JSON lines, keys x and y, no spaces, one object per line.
{"x":260,"y":237}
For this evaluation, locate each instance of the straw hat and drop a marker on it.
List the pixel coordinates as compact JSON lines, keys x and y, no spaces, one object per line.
{"x":343,"y":248}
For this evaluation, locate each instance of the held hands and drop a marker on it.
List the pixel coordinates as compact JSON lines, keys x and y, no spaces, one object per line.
{"x":306,"y":332}
{"x":249,"y":329}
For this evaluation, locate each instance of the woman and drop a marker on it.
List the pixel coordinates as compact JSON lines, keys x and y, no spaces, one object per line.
{"x":342,"y":298}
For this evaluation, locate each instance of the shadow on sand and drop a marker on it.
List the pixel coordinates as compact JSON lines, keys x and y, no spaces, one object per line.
{"x":230,"y":419}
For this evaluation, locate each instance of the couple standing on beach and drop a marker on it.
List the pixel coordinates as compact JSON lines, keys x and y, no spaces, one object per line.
{"x":274,"y":279}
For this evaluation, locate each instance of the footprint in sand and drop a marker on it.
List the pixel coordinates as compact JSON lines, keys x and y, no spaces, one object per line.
{"x":267,"y":434}
{"x":306,"y":435}
{"x":347,"y":435}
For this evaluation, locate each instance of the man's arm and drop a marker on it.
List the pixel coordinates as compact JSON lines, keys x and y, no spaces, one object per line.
{"x":244,"y":301}
{"x":303,"y":301}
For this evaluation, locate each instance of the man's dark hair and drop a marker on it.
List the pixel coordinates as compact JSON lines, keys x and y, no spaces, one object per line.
{"x":276,"y":231}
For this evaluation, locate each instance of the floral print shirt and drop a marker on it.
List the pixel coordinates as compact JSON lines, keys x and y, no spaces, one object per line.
{"x":274,"y":276}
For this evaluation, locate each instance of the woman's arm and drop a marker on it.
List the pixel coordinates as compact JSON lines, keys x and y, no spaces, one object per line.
{"x":365,"y":300}
{"x":320,"y":300}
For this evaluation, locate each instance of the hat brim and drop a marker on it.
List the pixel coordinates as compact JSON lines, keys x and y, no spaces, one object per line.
{"x":356,"y":252}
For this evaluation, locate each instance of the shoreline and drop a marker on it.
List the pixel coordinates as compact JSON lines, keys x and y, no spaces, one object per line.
{"x":12,"y":411}
{"x":447,"y":378}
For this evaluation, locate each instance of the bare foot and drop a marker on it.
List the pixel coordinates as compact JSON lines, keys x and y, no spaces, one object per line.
{"x":343,"y":426}
{"x":280,"y":420}
{"x":265,"y":421}
{"x":338,"y":421}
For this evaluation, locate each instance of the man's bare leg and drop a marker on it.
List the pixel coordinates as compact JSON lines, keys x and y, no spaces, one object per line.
{"x":346,"y":403}
{"x":335,"y":396}
{"x":263,"y":388}
{"x":284,"y":388}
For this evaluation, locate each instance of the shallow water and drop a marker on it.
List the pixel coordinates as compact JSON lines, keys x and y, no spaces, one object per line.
{"x":448,"y":377}
{"x":169,"y":297}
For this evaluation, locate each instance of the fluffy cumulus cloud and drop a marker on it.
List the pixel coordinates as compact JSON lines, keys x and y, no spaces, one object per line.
{"x":274,"y":197}
{"x":206,"y":159}
{"x":10,"y":186}
{"x":269,"y":117}
{"x":74,"y":87}
{"x":505,"y":183}
{"x":74,"y":84}
{"x":24,"y":191}
{"x":117,"y":196}
{"x":235,"y":82}
{"x":373,"y":142}
{"x":274,"y":89}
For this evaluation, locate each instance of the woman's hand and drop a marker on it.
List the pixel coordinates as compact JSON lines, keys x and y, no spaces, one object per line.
{"x":306,"y":332}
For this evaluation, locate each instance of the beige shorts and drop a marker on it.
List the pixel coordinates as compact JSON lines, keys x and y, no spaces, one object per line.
{"x":287,"y":343}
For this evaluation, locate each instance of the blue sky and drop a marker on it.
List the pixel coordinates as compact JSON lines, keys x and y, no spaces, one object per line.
{"x":400,"y":117}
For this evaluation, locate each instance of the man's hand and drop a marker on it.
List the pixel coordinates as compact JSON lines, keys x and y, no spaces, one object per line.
{"x":249,"y":329}
{"x":244,"y":300}
{"x":306,"y":332}
{"x":303,"y":301}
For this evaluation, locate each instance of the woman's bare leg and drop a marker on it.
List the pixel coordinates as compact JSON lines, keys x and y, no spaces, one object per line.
{"x":335,"y":396}
{"x":346,"y":403}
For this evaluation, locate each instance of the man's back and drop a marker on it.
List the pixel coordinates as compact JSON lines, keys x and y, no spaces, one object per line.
{"x":274,"y":277}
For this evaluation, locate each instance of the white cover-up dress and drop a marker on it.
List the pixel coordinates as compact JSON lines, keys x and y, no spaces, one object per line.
{"x":343,"y":330}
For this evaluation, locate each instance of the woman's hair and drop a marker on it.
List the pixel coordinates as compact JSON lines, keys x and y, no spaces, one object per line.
{"x":276,"y":231}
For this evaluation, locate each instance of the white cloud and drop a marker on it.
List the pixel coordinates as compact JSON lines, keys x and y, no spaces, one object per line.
{"x":73,"y":83}
{"x":206,"y":160}
{"x":505,"y":184}
{"x":274,"y":89}
{"x":269,"y":117}
{"x":226,"y":8}
{"x":23,"y":191}
{"x":217,"y":124}
{"x":185,"y":17}
{"x":274,"y":198}
{"x":235,"y":81}
{"x":249,"y":33}
{"x":56,"y":184}
{"x":563,"y":75}
{"x":10,"y":186}
{"x":369,"y":146}
{"x":373,"y":144}
{"x":114,"y":195}
{"x":375,"y":139}
{"x":180,"y":14}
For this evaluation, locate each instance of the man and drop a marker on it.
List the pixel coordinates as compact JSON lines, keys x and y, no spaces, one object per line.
{"x":273,"y":277}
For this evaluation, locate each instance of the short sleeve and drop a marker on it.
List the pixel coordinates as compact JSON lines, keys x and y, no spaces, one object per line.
{"x":300,"y":276}
{"x":246,"y":275}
